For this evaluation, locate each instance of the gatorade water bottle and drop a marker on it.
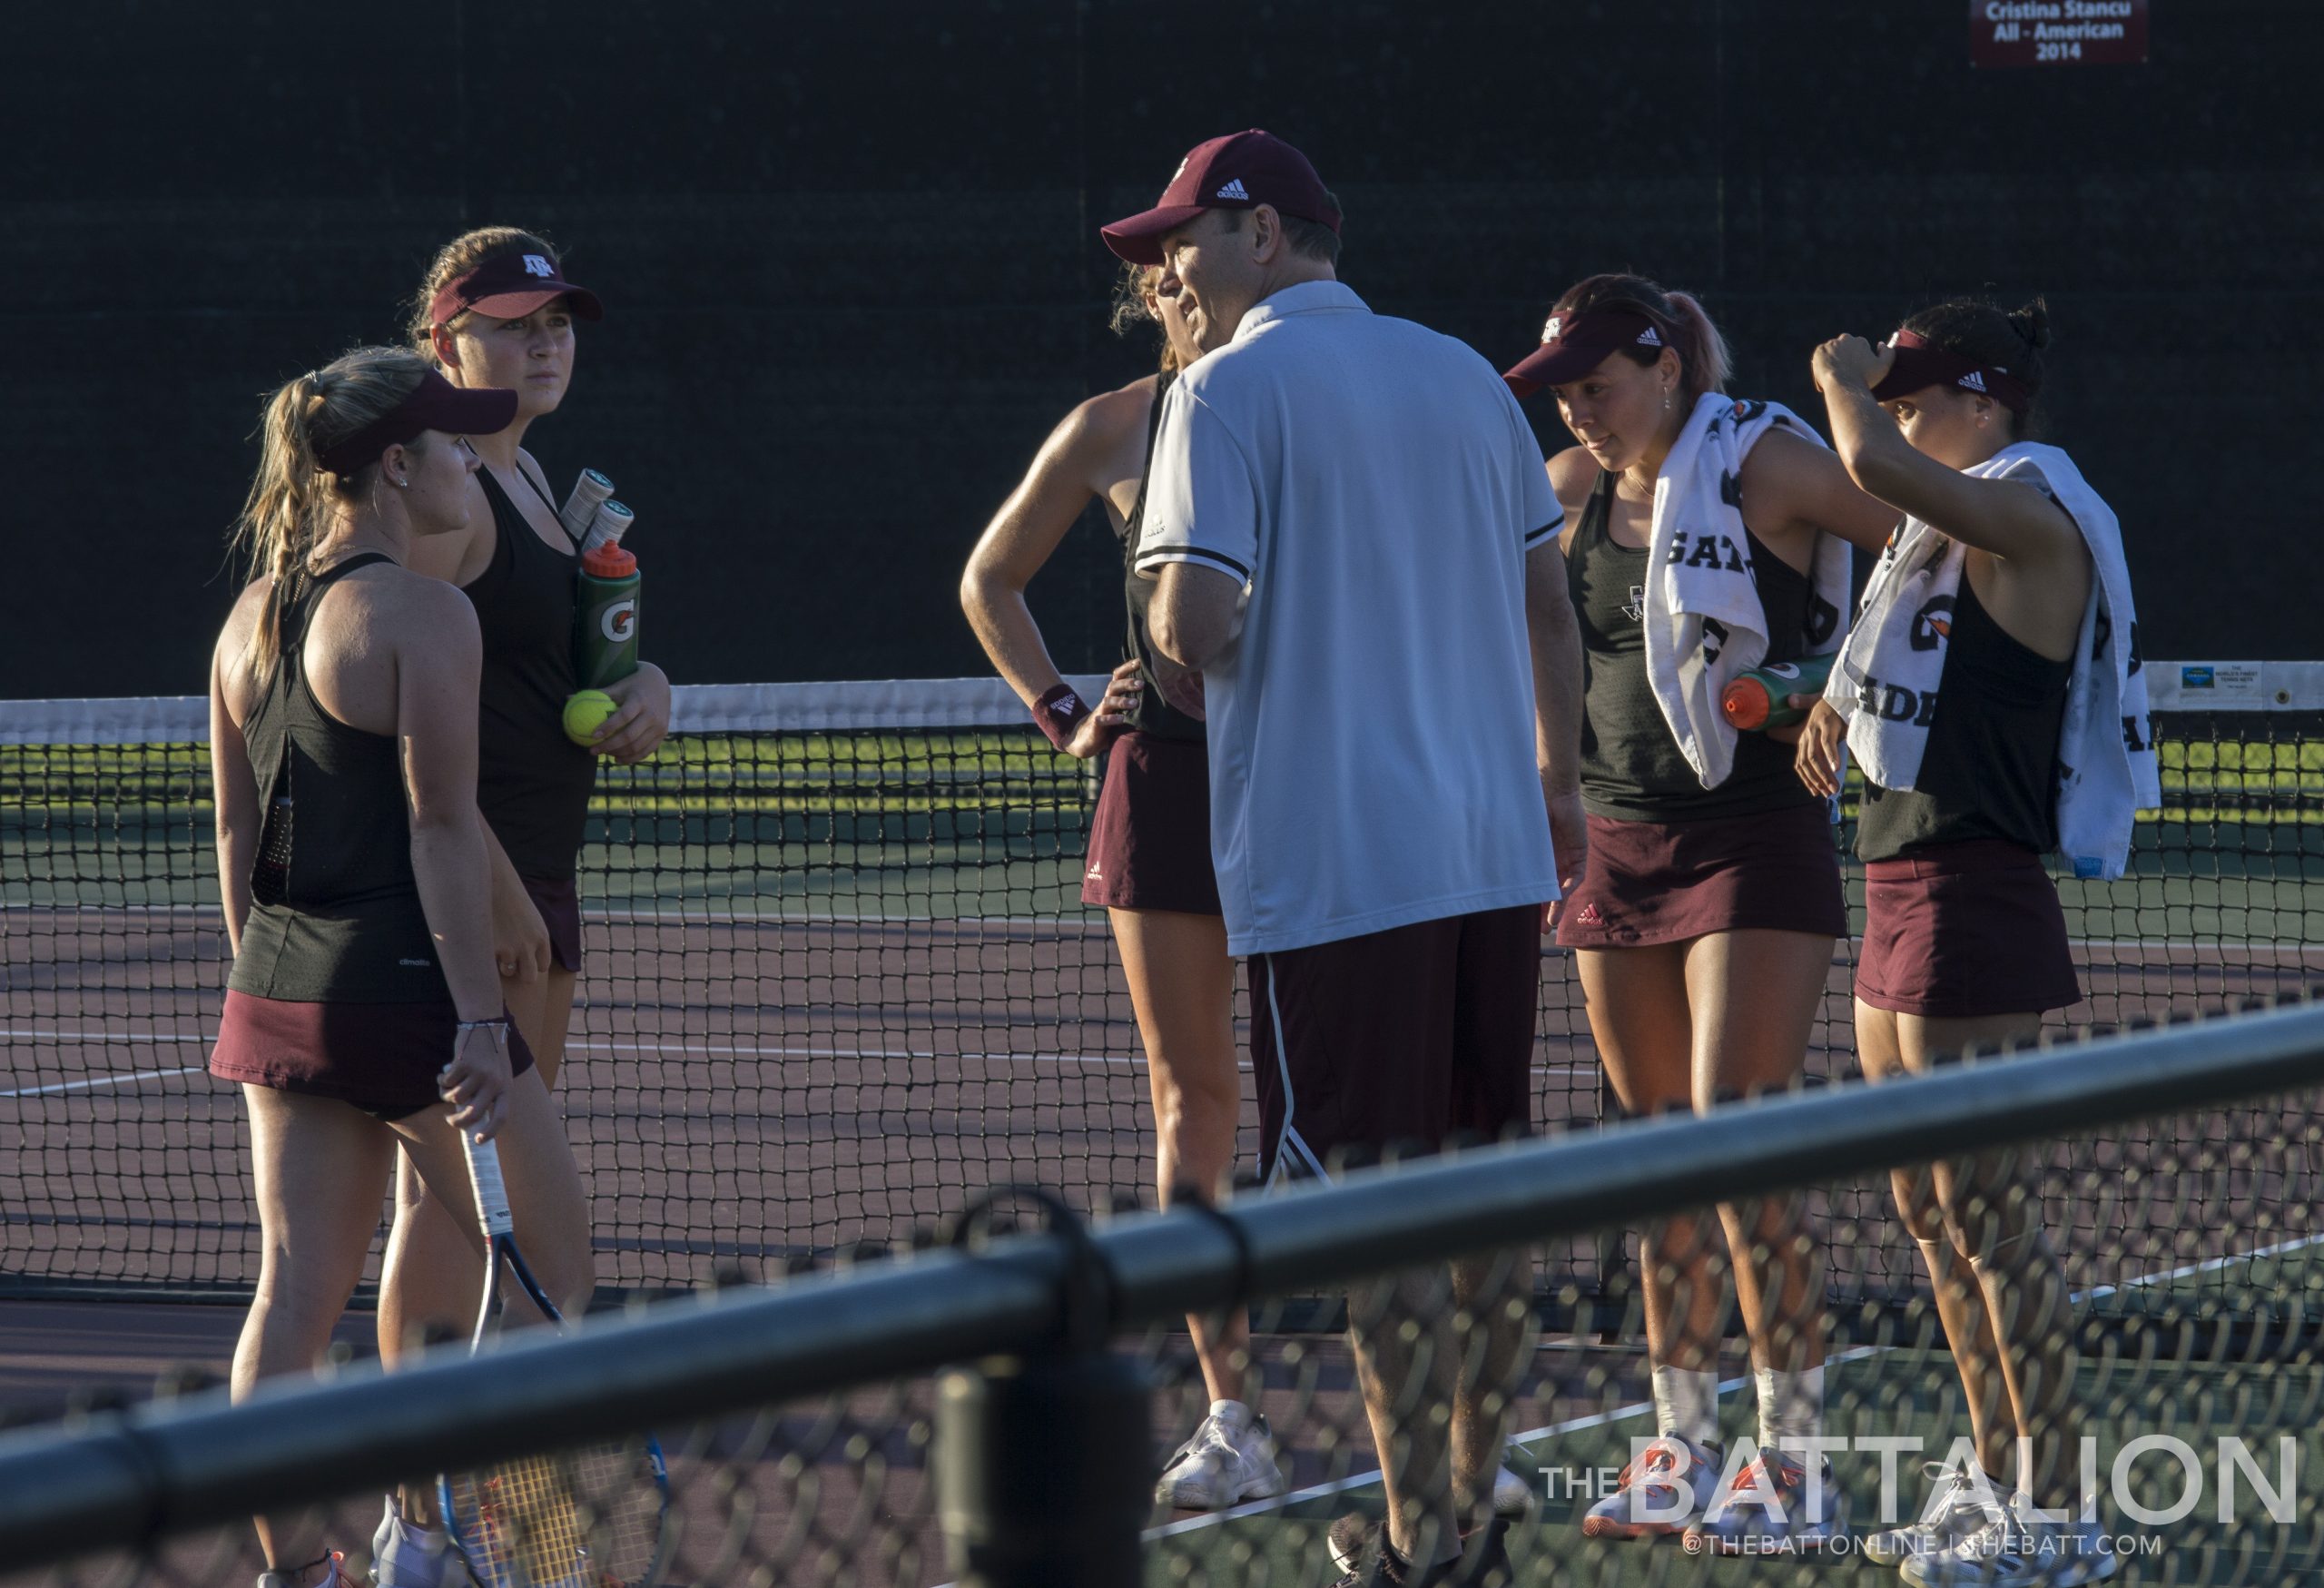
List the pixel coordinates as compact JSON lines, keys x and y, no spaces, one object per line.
{"x":604,"y":644}
{"x":1755,"y":699}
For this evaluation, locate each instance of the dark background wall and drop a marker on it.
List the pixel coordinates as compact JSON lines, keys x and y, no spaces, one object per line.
{"x":850,"y":256}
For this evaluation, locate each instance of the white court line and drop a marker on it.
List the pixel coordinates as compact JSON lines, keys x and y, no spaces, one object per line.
{"x":95,"y":1037}
{"x":684,"y":1049}
{"x":130,"y":1080}
{"x":2209,"y":1266}
{"x":1094,"y":924}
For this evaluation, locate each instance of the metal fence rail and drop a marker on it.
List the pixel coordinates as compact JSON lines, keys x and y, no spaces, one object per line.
{"x":134,"y":1478}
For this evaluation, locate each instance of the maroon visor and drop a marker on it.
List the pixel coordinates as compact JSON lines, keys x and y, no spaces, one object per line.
{"x":510,"y":286}
{"x":1574,"y":344}
{"x":1239,"y":172}
{"x":1917,"y":366}
{"x":435,"y":404}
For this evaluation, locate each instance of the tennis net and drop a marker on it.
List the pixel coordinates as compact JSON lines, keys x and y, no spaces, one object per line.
{"x":839,"y":978}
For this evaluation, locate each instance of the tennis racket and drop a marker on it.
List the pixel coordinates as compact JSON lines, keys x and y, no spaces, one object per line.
{"x":588,"y":1517}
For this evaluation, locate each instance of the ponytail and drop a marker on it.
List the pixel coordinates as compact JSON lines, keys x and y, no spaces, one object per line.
{"x":293,"y":496}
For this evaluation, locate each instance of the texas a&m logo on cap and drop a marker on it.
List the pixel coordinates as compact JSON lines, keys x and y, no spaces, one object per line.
{"x":534,"y":265}
{"x":1556,"y":324}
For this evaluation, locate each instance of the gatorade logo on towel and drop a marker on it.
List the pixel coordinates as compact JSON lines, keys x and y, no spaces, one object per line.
{"x":618,"y":619}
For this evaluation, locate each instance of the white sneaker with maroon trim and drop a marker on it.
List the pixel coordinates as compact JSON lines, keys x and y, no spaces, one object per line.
{"x":1773,"y":1510}
{"x":1665,"y":1487}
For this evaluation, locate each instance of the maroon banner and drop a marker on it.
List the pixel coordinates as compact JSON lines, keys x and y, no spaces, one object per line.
{"x":2057,"y":32}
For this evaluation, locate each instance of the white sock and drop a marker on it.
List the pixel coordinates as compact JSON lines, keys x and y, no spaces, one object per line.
{"x":1791,"y":1410}
{"x":1686,"y":1405}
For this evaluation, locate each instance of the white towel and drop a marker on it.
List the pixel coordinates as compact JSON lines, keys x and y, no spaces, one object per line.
{"x":1886,"y":681}
{"x":1704,"y":623}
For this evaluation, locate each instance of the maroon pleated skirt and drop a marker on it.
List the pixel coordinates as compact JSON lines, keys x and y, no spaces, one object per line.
{"x":1964,"y":929}
{"x":1149,"y":840}
{"x":1651,"y":882}
{"x":383,"y":1057}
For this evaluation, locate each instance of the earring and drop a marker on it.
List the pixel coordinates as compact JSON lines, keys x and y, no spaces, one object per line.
{"x":1666,"y":400}
{"x":400,"y":484}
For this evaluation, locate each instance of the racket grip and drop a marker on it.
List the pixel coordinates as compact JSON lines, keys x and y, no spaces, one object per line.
{"x":491,"y":1196}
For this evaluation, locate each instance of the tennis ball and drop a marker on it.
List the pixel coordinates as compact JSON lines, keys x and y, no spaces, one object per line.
{"x":585,"y":713}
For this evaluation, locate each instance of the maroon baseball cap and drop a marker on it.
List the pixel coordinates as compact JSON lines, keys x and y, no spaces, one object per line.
{"x":509,"y":286}
{"x":435,"y":404}
{"x":1239,"y":172}
{"x":1573,"y":344}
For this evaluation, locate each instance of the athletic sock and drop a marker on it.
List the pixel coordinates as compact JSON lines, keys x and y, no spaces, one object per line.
{"x":1686,"y":1405}
{"x":1791,"y":1411}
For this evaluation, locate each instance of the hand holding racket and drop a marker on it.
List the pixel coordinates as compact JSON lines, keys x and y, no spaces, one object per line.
{"x":580,"y":1518}
{"x":476,"y":1083}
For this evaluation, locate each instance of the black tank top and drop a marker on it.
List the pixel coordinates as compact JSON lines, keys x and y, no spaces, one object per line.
{"x":1991,"y":767}
{"x":533,"y":784}
{"x":335,"y":914}
{"x":1153,"y":714}
{"x":1633,"y":769}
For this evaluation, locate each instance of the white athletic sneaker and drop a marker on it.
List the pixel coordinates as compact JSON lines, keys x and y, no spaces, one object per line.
{"x":337,"y":1579}
{"x":1229,"y":1460}
{"x":405,"y":1556}
{"x":2011,"y":1551}
{"x":1773,"y":1510}
{"x":1512,"y":1496}
{"x":1659,"y":1493}
{"x":1955,"y":1509}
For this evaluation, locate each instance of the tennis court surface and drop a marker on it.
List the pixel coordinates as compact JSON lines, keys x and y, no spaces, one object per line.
{"x":839,"y":980}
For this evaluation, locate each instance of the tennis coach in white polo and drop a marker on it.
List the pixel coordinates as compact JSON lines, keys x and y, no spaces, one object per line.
{"x":1355,"y":542}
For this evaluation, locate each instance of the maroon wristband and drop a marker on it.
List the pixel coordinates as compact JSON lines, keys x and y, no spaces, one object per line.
{"x":1058,"y":712}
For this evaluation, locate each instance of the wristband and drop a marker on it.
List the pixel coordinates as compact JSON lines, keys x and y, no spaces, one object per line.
{"x":1057,"y":713}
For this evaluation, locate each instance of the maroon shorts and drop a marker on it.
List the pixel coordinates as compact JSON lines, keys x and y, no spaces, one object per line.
{"x":1410,"y":1035}
{"x":1964,"y":929}
{"x":559,"y":903}
{"x":1669,"y":881}
{"x":1149,"y":842}
{"x":383,"y":1057}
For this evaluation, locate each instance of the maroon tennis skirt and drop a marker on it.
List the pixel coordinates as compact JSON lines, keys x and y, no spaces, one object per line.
{"x":1964,"y":929}
{"x":1651,"y":882}
{"x":559,"y":903}
{"x":383,"y":1057}
{"x":1149,"y":842}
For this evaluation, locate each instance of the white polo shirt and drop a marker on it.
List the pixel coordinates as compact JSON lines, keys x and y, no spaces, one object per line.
{"x":1372,"y":725}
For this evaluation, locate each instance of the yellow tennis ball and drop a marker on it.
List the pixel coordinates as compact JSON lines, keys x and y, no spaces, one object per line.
{"x":585,"y":713}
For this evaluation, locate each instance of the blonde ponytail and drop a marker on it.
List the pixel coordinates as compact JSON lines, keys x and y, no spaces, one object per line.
{"x":293,"y":496}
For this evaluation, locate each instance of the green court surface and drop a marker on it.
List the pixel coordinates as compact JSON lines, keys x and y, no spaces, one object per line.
{"x":2271,"y":1402}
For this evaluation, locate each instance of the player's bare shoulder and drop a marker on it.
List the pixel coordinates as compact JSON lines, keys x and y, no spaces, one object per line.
{"x":232,"y":660}
{"x":1103,"y":423}
{"x":1102,"y":441}
{"x":384,"y":609}
{"x":1573,"y":475}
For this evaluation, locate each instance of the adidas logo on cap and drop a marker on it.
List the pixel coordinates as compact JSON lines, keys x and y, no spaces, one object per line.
{"x":1974,"y":381}
{"x":1647,"y":339}
{"x":1234,"y":189}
